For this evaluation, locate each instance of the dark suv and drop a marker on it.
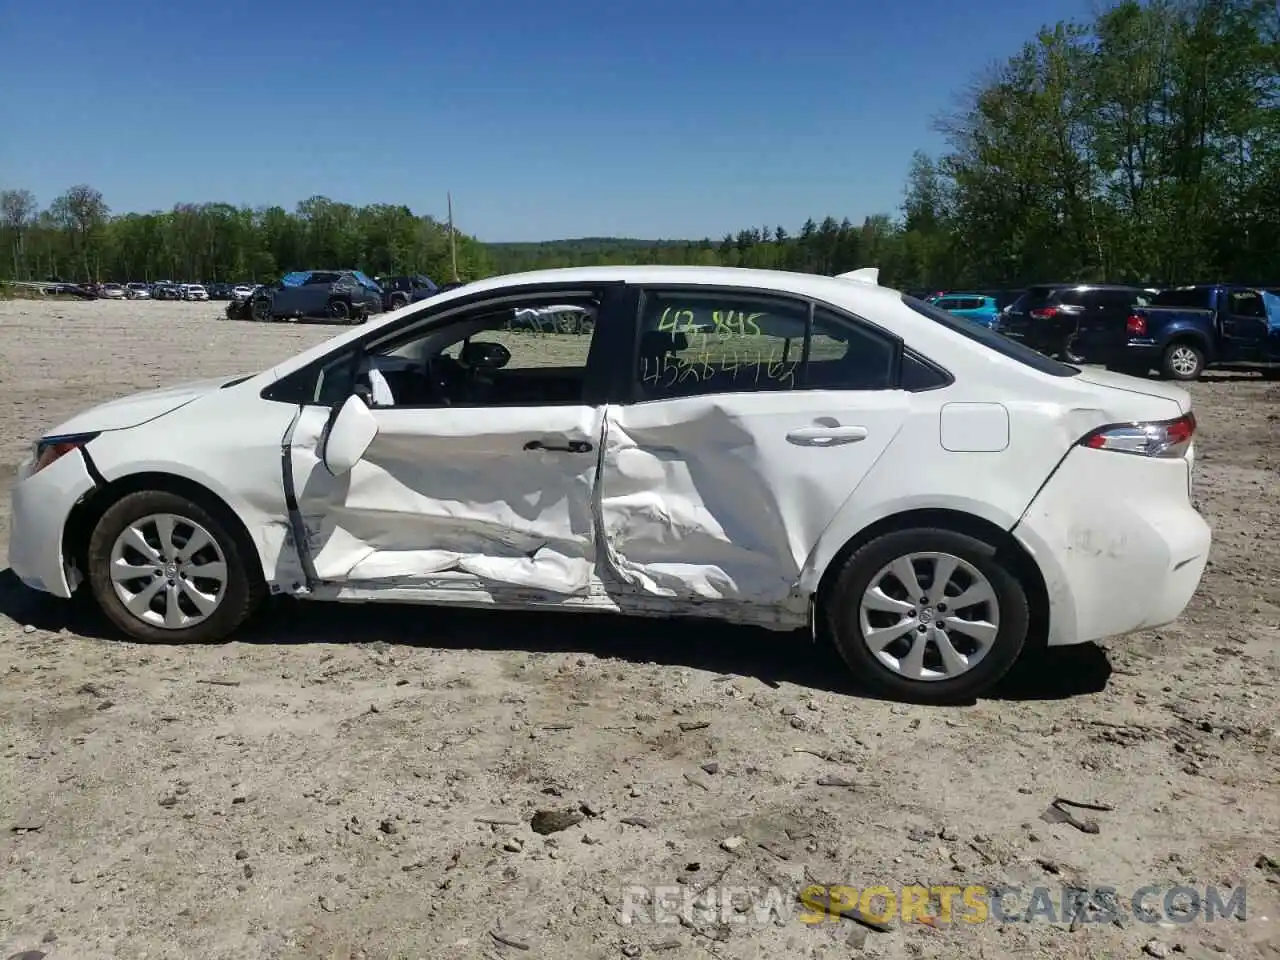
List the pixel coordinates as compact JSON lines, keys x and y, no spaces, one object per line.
{"x":344,"y":295}
{"x":399,"y":292}
{"x":1048,"y":316}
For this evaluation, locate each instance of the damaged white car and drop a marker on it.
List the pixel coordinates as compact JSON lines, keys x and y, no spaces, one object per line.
{"x":766,"y":448}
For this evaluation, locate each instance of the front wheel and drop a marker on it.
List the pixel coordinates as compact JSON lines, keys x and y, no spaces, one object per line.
{"x":1182,"y":361}
{"x":927,"y":615}
{"x":167,"y":570}
{"x":339,"y":310}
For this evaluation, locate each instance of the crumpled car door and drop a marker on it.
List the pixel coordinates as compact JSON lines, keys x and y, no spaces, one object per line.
{"x":724,"y":496}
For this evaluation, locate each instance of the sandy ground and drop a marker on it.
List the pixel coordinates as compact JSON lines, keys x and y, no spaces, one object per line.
{"x":319,"y":788}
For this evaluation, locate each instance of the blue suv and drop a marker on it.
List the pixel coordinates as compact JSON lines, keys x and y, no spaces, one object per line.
{"x":979,"y":309}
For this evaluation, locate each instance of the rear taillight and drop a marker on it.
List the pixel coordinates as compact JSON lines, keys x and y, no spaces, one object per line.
{"x":1136,"y":326}
{"x":1044,"y":313}
{"x":1159,"y":438}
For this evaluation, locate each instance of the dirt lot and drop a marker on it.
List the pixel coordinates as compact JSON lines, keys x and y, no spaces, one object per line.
{"x":320,"y":788}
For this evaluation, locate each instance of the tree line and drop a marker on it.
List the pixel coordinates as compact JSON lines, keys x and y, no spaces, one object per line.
{"x":1142,"y":145}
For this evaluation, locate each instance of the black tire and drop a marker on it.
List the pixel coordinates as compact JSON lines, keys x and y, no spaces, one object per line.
{"x":240,"y":594}
{"x":260,"y":310}
{"x":398,"y":300}
{"x":841,"y":605}
{"x":1182,"y":361}
{"x":339,"y":310}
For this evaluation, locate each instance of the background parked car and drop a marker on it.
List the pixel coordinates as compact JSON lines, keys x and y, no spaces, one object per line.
{"x":345,"y":295}
{"x":399,"y":292}
{"x":981,"y":309}
{"x":243,"y":291}
{"x":1048,"y":316}
{"x":111,"y":291}
{"x":194,"y":291}
{"x":165,"y":290}
{"x":1184,"y":330}
{"x":137,"y":291}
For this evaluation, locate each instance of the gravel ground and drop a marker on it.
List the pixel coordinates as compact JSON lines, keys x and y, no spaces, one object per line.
{"x":347,"y":782}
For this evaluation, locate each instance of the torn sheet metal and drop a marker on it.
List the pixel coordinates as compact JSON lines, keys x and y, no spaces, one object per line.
{"x":456,"y":490}
{"x":724,"y":497}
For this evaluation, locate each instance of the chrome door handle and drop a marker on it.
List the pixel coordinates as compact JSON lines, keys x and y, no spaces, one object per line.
{"x":573,"y":446}
{"x":825,"y":436}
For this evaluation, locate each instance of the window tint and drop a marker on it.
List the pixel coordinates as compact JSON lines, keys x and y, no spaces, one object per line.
{"x":319,"y":278}
{"x":700,"y":342}
{"x":510,"y":354}
{"x":995,"y":341}
{"x":1196,"y":298}
{"x":1076,"y":297}
{"x":1246,"y":303}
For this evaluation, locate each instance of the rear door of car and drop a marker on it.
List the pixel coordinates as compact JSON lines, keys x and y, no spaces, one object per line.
{"x":1243,"y":317}
{"x":751,"y":418}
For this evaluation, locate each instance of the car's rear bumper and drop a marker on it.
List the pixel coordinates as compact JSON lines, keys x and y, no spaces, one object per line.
{"x":40,"y":505}
{"x":1118,"y":542}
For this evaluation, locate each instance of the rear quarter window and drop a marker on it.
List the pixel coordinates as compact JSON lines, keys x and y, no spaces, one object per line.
{"x":992,"y":340}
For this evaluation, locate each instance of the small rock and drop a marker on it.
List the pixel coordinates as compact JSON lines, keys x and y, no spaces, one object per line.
{"x":857,"y":937}
{"x":29,"y":629}
{"x":711,"y":767}
{"x":591,"y":809}
{"x":544,"y":822}
{"x":248,"y":872}
{"x":168,"y":800}
{"x":1155,"y":948}
{"x":798,"y":723}
{"x":1024,"y":790}
{"x":920,"y":836}
{"x":326,"y":904}
{"x":49,"y":937}
{"x":388,"y":827}
{"x":513,"y":845}
{"x":946,"y":833}
{"x":589,"y":840}
{"x":242,"y":854}
{"x":732,"y":844}
{"x":78,"y":878}
{"x":630,"y":950}
{"x":788,"y":711}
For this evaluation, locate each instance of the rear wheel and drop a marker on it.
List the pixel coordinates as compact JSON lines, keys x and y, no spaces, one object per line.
{"x":1182,"y":361}
{"x":398,"y":300}
{"x":927,"y":615}
{"x":165,"y":569}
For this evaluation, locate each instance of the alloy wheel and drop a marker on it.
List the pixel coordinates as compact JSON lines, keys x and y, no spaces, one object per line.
{"x":168,"y":571}
{"x":929,"y":616}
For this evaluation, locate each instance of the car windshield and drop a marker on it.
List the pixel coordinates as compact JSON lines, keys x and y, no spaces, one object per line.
{"x":989,"y":338}
{"x":364,"y":281}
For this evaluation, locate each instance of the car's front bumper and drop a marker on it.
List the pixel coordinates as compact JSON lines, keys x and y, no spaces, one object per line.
{"x":1119,"y":544}
{"x":40,"y":506}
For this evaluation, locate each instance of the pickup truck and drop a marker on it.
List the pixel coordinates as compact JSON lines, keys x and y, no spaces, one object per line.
{"x":1182,"y":331}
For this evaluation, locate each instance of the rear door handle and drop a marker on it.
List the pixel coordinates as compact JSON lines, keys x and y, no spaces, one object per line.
{"x":825,"y":436}
{"x":573,"y":446}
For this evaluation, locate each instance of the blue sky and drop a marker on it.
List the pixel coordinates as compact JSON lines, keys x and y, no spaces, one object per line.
{"x":558,"y":118}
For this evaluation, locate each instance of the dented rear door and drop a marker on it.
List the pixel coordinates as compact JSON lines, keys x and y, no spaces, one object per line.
{"x":720,"y":476}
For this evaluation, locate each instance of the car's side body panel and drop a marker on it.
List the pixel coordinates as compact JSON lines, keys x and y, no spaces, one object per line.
{"x":229,"y":442}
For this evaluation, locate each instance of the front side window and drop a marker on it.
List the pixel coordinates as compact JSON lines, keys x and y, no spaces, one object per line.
{"x":489,"y":355}
{"x":700,"y":342}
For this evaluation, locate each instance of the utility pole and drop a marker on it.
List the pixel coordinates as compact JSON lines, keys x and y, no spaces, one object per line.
{"x":453,"y":240}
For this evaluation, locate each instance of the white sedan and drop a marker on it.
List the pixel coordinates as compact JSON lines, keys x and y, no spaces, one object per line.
{"x":776,"y":449}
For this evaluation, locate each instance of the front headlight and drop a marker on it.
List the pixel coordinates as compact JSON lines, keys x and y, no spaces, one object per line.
{"x":49,"y":449}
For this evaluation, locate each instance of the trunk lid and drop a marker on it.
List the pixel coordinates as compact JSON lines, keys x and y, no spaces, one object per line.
{"x":1175,"y":400}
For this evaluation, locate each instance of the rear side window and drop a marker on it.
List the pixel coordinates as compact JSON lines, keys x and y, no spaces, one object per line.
{"x":995,"y":341}
{"x":701,"y":342}
{"x":1194,"y":299}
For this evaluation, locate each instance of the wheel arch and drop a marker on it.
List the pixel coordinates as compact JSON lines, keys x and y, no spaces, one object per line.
{"x":88,"y":511}
{"x":1009,"y":551}
{"x":1196,"y":338}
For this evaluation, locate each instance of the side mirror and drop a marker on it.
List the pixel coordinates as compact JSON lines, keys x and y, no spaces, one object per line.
{"x":349,"y":436}
{"x":483,"y":355}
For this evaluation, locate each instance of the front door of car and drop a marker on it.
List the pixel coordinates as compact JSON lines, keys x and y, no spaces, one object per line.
{"x":752,"y":421}
{"x":481,"y":467}
{"x":1244,"y":326}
